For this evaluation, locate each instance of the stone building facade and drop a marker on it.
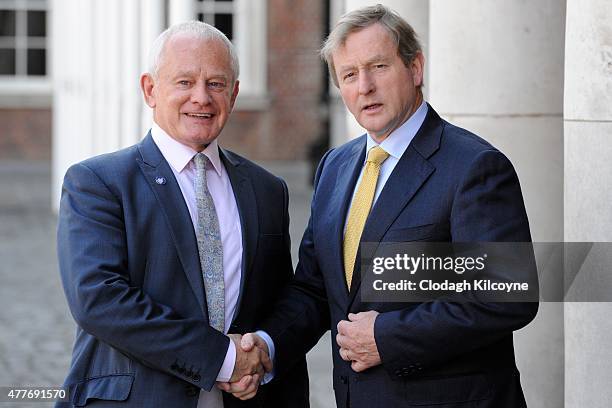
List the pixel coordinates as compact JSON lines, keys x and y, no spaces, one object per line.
{"x":278,"y":116}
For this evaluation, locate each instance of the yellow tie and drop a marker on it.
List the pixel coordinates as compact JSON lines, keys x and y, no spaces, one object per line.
{"x":360,"y":208}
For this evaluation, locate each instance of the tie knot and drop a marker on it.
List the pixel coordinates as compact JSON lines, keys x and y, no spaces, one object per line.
{"x":377,"y":155}
{"x":201,"y":161}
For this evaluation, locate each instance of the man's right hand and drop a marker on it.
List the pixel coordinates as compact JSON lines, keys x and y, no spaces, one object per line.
{"x":250,"y":360}
{"x":250,"y":347}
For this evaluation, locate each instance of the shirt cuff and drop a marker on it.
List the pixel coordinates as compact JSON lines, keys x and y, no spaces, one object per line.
{"x":266,"y":337}
{"x":227,"y":369}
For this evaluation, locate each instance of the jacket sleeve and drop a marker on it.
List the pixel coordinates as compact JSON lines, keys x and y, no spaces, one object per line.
{"x":487,"y":207}
{"x":93,"y":262}
{"x":301,"y":316}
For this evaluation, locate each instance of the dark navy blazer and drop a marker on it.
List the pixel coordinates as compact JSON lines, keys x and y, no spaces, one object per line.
{"x":131,"y":273}
{"x":449,"y":186}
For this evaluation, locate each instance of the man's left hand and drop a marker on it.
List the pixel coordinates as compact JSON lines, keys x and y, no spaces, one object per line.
{"x":356,"y":340}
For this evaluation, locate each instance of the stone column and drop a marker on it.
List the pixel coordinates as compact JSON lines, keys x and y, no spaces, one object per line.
{"x":71,"y":45}
{"x":180,"y":11}
{"x":588,"y":198}
{"x":496,"y":69}
{"x":153,"y":22}
{"x":99,"y":49}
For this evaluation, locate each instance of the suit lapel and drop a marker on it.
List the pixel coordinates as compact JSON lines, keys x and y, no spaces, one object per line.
{"x":411,"y":171}
{"x":247,"y":208}
{"x":160,"y":177}
{"x":348,"y":173}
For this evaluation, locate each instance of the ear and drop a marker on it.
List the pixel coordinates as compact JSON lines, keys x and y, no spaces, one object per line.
{"x":234,"y":93}
{"x":147,"y":85}
{"x":417,"y":66}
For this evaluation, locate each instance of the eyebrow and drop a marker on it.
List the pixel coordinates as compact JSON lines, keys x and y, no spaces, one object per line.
{"x":181,"y":74}
{"x":374,"y":59}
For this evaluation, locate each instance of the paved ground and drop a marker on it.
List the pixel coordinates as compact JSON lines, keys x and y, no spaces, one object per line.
{"x":36,"y":330}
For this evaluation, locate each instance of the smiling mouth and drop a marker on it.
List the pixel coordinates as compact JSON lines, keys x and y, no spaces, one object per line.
{"x":200,"y":115}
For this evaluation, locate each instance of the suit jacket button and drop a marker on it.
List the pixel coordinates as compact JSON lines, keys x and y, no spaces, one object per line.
{"x":197,"y":378}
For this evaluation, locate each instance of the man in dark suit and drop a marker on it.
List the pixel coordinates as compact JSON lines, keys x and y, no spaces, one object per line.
{"x":412,"y":177}
{"x":167,"y":246}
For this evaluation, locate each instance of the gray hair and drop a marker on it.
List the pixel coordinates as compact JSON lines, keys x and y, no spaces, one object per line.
{"x":199,"y":30}
{"x":403,"y":34}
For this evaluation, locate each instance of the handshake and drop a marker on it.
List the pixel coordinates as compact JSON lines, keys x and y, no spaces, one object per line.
{"x":252,"y":362}
{"x":355,"y":340}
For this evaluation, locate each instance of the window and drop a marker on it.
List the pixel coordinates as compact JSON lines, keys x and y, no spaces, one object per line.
{"x":244,"y":23}
{"x":23,"y":38}
{"x":219,"y":14}
{"x":24,"y":70}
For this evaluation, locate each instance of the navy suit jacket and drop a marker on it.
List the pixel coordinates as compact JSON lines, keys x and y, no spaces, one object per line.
{"x":449,"y":186}
{"x":131,"y":273}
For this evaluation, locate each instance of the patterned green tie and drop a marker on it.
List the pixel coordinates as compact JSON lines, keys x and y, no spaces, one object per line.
{"x":209,"y":246}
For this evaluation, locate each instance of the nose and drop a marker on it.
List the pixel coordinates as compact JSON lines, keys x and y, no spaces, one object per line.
{"x":200,"y":94}
{"x":366,"y":83}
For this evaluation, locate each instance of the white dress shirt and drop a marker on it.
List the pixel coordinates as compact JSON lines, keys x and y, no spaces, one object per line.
{"x":180,"y":156}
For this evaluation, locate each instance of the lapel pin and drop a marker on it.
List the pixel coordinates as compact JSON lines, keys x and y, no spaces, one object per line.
{"x":160,"y":180}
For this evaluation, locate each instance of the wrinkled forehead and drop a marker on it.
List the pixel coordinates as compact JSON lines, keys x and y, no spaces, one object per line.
{"x":193,"y":43}
{"x":186,"y":51}
{"x":373,"y":42}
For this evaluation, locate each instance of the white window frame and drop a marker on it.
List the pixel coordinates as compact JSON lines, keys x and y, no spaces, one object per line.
{"x":249,"y":32}
{"x":22,"y":90}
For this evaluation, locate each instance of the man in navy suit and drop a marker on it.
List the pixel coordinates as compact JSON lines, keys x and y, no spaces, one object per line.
{"x":433,"y":182}
{"x":167,"y":246}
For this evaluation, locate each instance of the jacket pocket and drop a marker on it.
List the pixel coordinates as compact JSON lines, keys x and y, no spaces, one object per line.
{"x":114,"y":387}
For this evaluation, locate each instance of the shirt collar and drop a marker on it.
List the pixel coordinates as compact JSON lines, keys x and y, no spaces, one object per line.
{"x":179,"y":155}
{"x":398,"y":141}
